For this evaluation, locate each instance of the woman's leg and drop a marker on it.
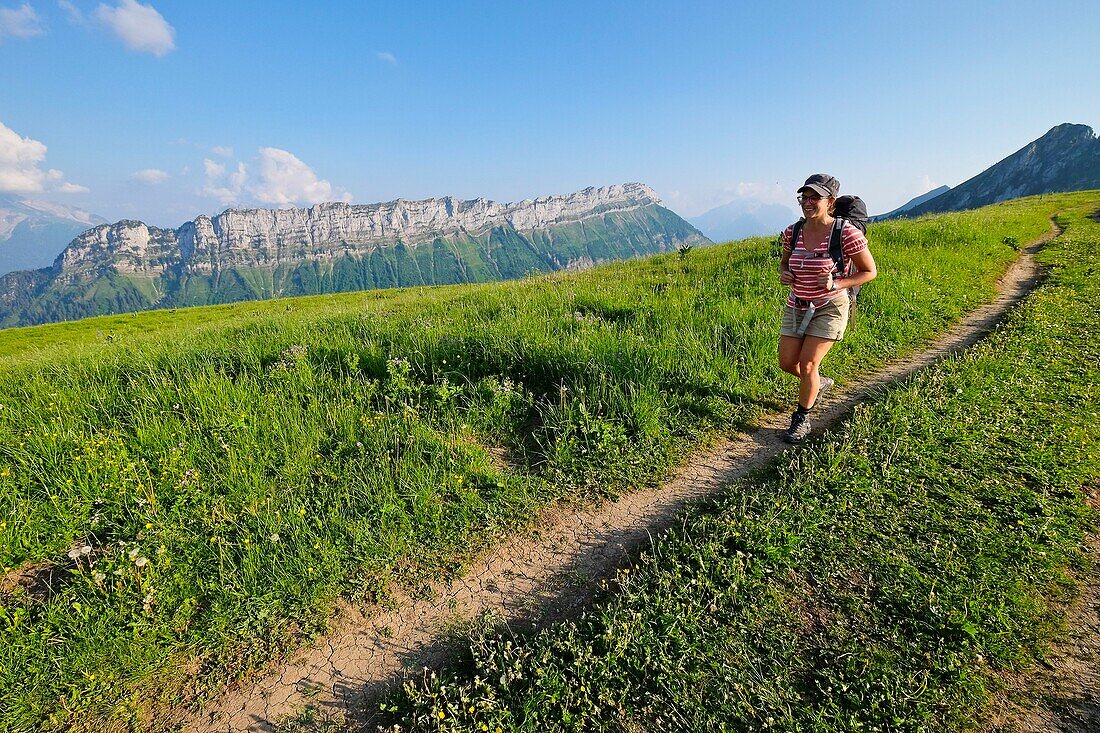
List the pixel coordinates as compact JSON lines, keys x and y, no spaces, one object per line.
{"x":812,"y":352}
{"x":790,"y":348}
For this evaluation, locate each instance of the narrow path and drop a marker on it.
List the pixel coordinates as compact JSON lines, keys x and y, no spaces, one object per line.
{"x":548,"y":572}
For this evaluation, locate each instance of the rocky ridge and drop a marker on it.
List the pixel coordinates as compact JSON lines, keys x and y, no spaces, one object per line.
{"x":332,"y":247}
{"x":1067,"y":158}
{"x":265,"y":237}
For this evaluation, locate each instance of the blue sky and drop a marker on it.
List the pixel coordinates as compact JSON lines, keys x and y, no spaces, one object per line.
{"x":162,"y":110}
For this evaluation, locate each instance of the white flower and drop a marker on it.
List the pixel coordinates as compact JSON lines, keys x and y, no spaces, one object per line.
{"x":274,"y":537}
{"x":78,"y":552}
{"x":141,"y":562}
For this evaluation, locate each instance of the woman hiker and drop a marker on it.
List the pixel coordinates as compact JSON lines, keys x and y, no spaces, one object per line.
{"x":817,"y":308}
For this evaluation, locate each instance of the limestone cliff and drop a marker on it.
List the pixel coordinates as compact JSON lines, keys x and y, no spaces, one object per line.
{"x":259,"y":253}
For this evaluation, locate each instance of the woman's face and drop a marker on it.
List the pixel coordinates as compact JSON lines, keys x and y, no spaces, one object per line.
{"x":813,"y":206}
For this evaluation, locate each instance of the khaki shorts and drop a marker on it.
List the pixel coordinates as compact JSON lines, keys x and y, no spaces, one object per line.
{"x":829,"y":321}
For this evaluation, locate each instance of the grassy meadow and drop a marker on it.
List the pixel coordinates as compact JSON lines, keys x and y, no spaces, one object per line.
{"x":877,"y":579}
{"x":880,"y":578}
{"x":184,"y":495}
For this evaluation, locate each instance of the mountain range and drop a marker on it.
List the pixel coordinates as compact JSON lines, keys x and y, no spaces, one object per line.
{"x":1067,"y":158}
{"x":913,"y":202}
{"x":32,"y":232}
{"x":743,"y":218}
{"x":332,"y":247}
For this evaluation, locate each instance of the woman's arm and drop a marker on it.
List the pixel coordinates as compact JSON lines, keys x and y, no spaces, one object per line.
{"x":785,"y":275}
{"x":865,"y":263}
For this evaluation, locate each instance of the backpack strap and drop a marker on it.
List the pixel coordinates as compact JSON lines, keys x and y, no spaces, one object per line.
{"x":796,"y":229}
{"x":836,"y":245}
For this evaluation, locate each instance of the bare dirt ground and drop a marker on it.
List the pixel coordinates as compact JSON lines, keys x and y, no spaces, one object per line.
{"x":545,"y":574}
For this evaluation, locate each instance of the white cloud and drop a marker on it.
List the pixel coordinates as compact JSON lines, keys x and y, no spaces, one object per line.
{"x":20,"y":166}
{"x":21,"y":22}
{"x":698,"y":202}
{"x":212,"y":169}
{"x":150,"y":176}
{"x":386,"y":56}
{"x":237,"y":179}
{"x":76,"y":15}
{"x":140,"y":27}
{"x":280,"y":178}
{"x":285,"y":180}
{"x":223,"y":150}
{"x":227,"y":192}
{"x":927,"y":184}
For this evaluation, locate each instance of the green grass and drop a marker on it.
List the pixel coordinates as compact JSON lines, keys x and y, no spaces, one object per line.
{"x":877,"y":579}
{"x":234,"y":470}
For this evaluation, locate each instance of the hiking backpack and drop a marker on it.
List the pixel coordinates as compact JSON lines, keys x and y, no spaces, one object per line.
{"x":849,"y":209}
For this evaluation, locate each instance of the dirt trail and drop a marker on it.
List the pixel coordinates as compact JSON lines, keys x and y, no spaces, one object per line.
{"x":546,"y":573}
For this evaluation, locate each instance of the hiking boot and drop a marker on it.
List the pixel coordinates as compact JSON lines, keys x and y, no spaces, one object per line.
{"x":799,"y":429}
{"x":823,"y":388}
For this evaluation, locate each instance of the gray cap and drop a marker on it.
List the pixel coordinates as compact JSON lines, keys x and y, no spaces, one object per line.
{"x":822,"y":184}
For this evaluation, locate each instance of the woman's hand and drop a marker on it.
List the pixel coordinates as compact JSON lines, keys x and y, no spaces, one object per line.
{"x":786,"y":277}
{"x":825,"y":281}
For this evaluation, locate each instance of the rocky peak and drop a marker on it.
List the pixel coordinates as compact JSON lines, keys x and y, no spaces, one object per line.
{"x":1066,"y":158}
{"x":328,"y":230}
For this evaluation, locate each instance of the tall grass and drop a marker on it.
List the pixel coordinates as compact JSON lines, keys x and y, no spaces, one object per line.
{"x":879,"y":579}
{"x":193,"y":490}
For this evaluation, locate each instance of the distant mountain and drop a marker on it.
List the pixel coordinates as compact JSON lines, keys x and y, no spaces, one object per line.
{"x":33,"y":233}
{"x":912,"y":203}
{"x":744,"y":218}
{"x":1065,"y":159}
{"x":333,"y":247}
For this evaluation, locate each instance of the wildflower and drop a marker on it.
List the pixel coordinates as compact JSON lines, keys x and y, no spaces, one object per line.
{"x":99,"y":578}
{"x":77,"y":552}
{"x":274,"y":537}
{"x":141,"y":562}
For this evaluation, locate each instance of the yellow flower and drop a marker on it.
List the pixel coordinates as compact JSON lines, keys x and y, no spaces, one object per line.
{"x":442,"y":715}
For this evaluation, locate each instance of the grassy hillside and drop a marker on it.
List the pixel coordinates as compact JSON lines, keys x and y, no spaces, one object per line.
{"x":877,"y":579}
{"x":184,"y":494}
